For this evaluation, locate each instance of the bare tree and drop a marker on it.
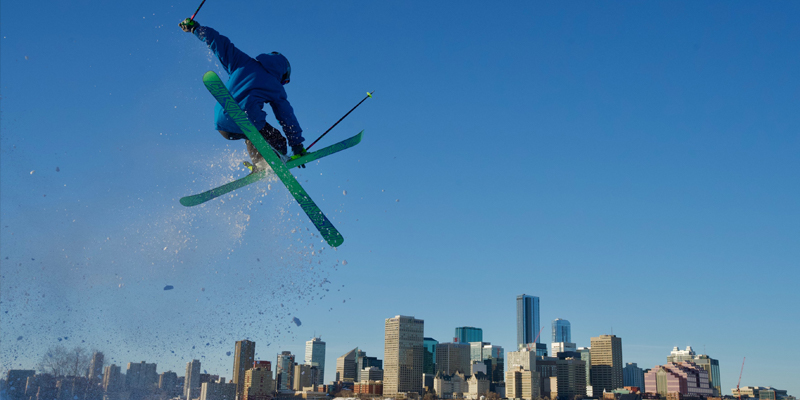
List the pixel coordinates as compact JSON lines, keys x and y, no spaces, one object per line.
{"x":59,"y":361}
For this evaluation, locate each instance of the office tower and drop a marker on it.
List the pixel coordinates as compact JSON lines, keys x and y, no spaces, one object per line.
{"x":586,"y":356}
{"x":522,"y":384}
{"x":346,"y":366}
{"x":219,"y":390}
{"x":315,"y":356}
{"x":561,"y":331}
{"x":632,"y":375}
{"x":284,"y":371}
{"x":712,"y":367}
{"x":364,"y":361}
{"x":676,"y":355}
{"x":525,"y":359}
{"x":527,"y":320}
{"x":468,"y":334}
{"x":429,"y":360}
{"x":494,"y":358}
{"x":684,"y":377}
{"x":258,"y":383}
{"x":141,"y":376}
{"x":191,"y":384}
{"x":243,"y":356}
{"x":453,"y":357}
{"x":562,"y":347}
{"x":371,"y":374}
{"x":570,"y":378}
{"x":403,"y":355}
{"x":112,"y":379}
{"x":168,"y":383}
{"x":305,"y":376}
{"x":96,"y":366}
{"x":709,"y":364}
{"x":606,"y":363}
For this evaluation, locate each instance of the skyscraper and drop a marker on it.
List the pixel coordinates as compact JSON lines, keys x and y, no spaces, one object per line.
{"x":315,"y":357}
{"x":707,"y":363}
{"x":606,"y":363}
{"x":453,"y":357}
{"x":346,"y":366}
{"x":96,"y":367}
{"x":244,"y":355}
{"x":284,"y":371}
{"x":632,"y":375}
{"x":561,"y":331}
{"x":468,"y":334}
{"x":191,"y":384}
{"x":527,"y":320}
{"x":403,"y":355}
{"x":112,"y":379}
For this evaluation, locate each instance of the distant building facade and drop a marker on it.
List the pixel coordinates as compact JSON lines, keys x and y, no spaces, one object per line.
{"x":632,"y":375}
{"x":315,"y":356}
{"x":429,"y":359}
{"x":243,"y":357}
{"x":562,"y":332}
{"x":452,"y":358}
{"x":403,"y":355}
{"x":606,"y":361}
{"x":527,"y":320}
{"x":684,"y":378}
{"x":468,"y":334}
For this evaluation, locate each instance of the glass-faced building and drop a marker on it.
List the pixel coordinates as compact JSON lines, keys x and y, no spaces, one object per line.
{"x":468,"y":334}
{"x":561,"y":331}
{"x":527,"y":320}
{"x":429,"y":358}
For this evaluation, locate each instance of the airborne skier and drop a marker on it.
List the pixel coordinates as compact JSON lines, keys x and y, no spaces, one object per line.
{"x":253,"y":82}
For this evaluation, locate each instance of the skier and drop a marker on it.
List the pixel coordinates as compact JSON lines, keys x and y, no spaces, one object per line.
{"x":253,"y":82}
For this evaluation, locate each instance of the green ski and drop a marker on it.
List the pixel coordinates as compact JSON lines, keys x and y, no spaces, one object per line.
{"x":201,"y":198}
{"x":220,"y":92}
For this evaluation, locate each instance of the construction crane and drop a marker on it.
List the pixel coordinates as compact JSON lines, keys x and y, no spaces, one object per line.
{"x":739,"y":392}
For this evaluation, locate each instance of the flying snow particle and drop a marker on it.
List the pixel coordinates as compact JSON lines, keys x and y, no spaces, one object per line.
{"x":33,"y":172}
{"x":344,"y":262}
{"x":344,"y":192}
{"x":397,"y":201}
{"x":169,"y":287}
{"x":26,"y":57}
{"x":228,"y":353}
{"x":58,"y":169}
{"x":297,"y":321}
{"x":19,"y":337}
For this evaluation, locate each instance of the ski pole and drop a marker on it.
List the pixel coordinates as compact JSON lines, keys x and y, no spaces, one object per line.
{"x":369,"y":94}
{"x":198,"y":10}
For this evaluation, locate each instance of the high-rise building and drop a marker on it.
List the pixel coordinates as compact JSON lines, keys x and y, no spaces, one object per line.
{"x":218,"y":390}
{"x":562,"y":347}
{"x":522,"y":384}
{"x":684,"y":377}
{"x":586,"y":356}
{"x":96,"y":366}
{"x":305,"y":376}
{"x":570,"y":378}
{"x":527,"y":320}
{"x":113,"y":381}
{"x":632,"y":375}
{"x":606,"y":363}
{"x":524,"y":358}
{"x":243,"y":356}
{"x":168,"y":383}
{"x":371,"y":374}
{"x":429,"y":360}
{"x":712,"y":367}
{"x":492,"y":357}
{"x":707,"y":363}
{"x":284,"y":371}
{"x":364,"y":361}
{"x":468,"y":334}
{"x":141,"y":376}
{"x":453,"y":357}
{"x":191,"y":384}
{"x":561,"y":331}
{"x":346,"y":366}
{"x":315,"y":357}
{"x":403,"y":355}
{"x":258,"y":383}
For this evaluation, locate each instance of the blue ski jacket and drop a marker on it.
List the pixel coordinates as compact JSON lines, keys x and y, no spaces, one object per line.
{"x":252,"y":82}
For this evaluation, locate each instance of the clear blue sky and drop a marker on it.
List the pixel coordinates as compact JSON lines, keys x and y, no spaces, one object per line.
{"x":635,"y":165}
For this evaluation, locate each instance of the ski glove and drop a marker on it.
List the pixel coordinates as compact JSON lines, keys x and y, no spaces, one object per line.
{"x":189,"y":25}
{"x":299,"y":151}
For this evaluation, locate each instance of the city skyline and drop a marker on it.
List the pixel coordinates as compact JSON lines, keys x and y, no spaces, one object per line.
{"x":647,"y":151}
